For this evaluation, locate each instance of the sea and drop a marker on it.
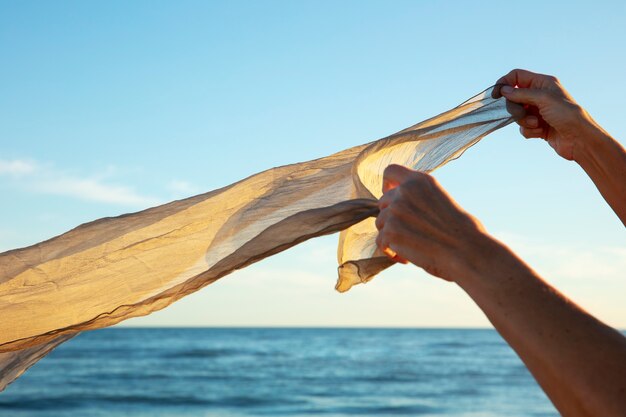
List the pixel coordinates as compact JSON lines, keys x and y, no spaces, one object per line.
{"x":288,"y":372}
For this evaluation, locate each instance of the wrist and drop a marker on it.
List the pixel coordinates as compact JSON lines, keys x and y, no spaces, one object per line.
{"x":590,"y":141}
{"x":488,"y":263}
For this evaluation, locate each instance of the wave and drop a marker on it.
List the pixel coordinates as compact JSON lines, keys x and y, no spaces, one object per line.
{"x":79,"y":401}
{"x":207,"y":353}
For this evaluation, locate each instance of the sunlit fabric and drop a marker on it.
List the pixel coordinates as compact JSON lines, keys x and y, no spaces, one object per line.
{"x":113,"y":269}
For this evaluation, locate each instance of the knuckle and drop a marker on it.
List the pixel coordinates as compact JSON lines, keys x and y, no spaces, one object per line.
{"x":578,"y":112}
{"x":430,"y":184}
{"x":433,"y":181}
{"x":390,"y":170}
{"x":422,"y":176}
{"x":553,"y":79}
{"x":387,"y":170}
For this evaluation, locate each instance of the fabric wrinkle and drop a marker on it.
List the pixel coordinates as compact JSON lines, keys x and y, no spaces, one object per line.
{"x":113,"y":269}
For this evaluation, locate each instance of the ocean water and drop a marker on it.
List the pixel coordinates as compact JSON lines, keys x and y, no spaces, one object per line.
{"x":278,"y":372}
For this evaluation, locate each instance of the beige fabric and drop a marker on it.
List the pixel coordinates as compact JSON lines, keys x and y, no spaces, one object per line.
{"x":112,"y":269}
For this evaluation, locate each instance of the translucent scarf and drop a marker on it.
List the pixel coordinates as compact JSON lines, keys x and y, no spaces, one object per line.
{"x":112,"y":269}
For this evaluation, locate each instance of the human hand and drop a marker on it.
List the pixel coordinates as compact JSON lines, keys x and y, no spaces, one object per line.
{"x":552,"y":114}
{"x":420,"y":223}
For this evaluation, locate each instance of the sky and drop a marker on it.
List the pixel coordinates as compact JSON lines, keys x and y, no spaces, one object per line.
{"x":111,"y":107}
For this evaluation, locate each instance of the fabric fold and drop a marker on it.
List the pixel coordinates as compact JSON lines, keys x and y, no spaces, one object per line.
{"x":113,"y":269}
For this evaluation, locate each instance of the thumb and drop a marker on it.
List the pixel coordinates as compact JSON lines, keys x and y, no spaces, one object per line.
{"x":532,"y":96}
{"x":395,"y":175}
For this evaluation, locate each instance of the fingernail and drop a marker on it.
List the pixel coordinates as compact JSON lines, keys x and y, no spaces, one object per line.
{"x":506,"y":89}
{"x":532,"y":121}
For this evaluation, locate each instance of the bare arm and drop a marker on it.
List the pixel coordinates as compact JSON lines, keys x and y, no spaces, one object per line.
{"x":571,"y":131}
{"x":578,"y":361}
{"x":604,"y":160}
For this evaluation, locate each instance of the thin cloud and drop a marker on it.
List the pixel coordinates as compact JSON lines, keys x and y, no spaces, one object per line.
{"x":16,"y":167}
{"x":43,"y":179}
{"x":94,"y":190}
{"x":571,"y":261}
{"x":182,"y":188}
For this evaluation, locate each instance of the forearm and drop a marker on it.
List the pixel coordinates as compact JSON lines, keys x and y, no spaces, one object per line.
{"x":604,"y":160}
{"x":579,"y":361}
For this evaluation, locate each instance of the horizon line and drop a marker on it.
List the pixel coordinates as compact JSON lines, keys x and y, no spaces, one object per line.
{"x":278,"y":327}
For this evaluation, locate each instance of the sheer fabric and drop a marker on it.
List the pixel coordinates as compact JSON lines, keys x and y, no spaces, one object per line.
{"x":112,"y":269}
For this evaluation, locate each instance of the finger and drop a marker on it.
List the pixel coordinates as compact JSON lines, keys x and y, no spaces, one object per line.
{"x":395,"y":175}
{"x":419,"y":257}
{"x":400,"y":259}
{"x":393,"y":255}
{"x":528,"y":133}
{"x":525,"y":79}
{"x":535,"y":97}
{"x":389,"y":185}
{"x":390,"y":252}
{"x":393,"y":250}
{"x":381,"y":218}
{"x":380,"y":243}
{"x":518,"y":111}
{"x":530,"y":122}
{"x":386,"y":199}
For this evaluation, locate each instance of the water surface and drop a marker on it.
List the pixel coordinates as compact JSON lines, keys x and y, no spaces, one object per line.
{"x":278,"y":372}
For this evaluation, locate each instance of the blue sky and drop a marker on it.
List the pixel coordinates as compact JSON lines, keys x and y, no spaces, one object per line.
{"x":112,"y":107}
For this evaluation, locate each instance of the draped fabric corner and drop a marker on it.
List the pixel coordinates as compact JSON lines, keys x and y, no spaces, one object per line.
{"x":112,"y":269}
